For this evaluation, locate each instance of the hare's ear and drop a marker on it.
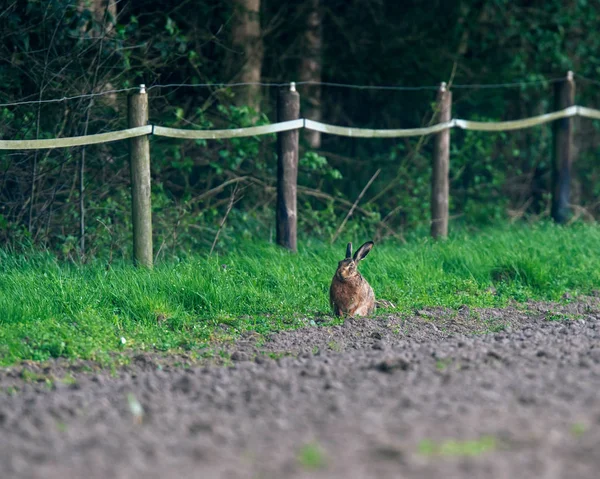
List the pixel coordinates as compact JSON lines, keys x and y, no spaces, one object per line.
{"x":363,"y":251}
{"x":349,"y":251}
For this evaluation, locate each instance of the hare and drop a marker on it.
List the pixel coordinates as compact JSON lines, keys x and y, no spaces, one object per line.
{"x":349,"y":292}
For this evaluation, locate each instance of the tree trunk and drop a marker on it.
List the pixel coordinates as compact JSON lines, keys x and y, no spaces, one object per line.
{"x":104,"y":14}
{"x":102,"y":8}
{"x":310,"y":69}
{"x":247,"y":43}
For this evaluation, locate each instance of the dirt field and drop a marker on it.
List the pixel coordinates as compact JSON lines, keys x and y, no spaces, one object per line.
{"x":424,"y":396}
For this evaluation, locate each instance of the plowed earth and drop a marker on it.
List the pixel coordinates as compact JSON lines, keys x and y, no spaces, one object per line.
{"x":505,"y":393}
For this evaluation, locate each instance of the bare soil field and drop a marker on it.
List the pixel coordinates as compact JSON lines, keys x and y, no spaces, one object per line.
{"x":503,"y":393}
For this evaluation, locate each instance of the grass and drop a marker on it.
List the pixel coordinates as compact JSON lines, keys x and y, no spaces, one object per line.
{"x":51,"y":309}
{"x":311,"y":456}
{"x":452,"y":447}
{"x":578,"y":429}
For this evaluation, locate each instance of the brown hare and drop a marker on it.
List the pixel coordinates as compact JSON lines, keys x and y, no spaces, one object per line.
{"x":349,"y":293}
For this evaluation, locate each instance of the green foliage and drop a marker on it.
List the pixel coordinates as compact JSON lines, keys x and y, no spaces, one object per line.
{"x":53,"y":309}
{"x":478,"y":186}
{"x":316,"y":167}
{"x":53,"y":50}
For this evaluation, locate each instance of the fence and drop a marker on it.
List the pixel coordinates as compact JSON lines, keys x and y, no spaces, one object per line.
{"x":287,"y":128}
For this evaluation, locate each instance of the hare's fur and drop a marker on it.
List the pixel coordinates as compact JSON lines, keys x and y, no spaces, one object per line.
{"x":350,"y":294}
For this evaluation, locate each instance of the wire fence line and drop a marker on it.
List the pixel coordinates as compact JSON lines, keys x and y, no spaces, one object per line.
{"x":286,"y":128}
{"x":516,"y":84}
{"x":68,"y":98}
{"x":367,"y":87}
{"x":156,"y":130}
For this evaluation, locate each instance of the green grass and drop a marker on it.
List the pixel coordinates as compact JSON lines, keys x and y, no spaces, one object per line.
{"x":49,"y":309}
{"x":311,"y":456}
{"x":452,"y":447}
{"x":578,"y":429}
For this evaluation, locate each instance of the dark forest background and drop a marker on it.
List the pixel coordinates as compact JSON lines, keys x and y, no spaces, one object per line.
{"x":57,"y":48}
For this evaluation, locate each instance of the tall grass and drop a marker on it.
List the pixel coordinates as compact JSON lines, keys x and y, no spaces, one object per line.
{"x":48,"y":309}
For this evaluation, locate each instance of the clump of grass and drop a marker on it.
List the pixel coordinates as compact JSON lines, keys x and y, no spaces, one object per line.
{"x":50,"y":309}
{"x":68,"y":379}
{"x":311,"y":456}
{"x":452,"y":447}
{"x":578,"y":429}
{"x":33,"y":377}
{"x":442,"y":363}
{"x":61,"y":426}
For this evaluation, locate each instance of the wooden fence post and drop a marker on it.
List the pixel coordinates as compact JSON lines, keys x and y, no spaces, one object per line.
{"x":139,"y":158}
{"x":288,"y":108}
{"x":441,"y":164}
{"x":564,"y":97}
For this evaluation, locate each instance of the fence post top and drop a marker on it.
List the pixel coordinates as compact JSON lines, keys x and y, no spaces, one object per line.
{"x":293,"y":86}
{"x":443,"y":86}
{"x":142,"y":88}
{"x":569,"y":75}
